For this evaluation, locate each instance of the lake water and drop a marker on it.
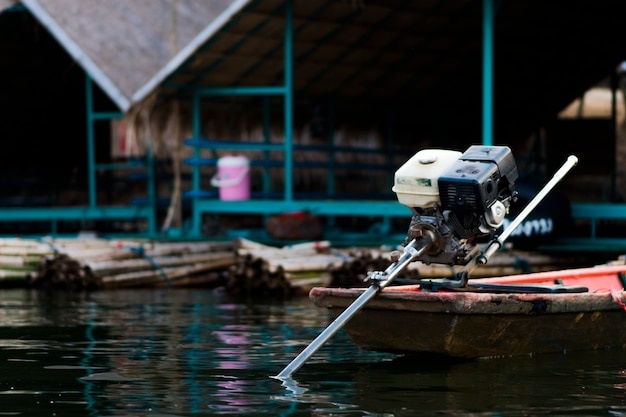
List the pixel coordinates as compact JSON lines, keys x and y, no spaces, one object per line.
{"x":195,"y":352}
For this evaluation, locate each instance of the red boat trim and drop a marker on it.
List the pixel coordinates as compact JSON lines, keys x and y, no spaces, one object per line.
{"x":600,"y":278}
{"x":616,"y":296}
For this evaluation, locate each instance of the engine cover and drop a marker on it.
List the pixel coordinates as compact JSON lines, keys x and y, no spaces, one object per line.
{"x":479,"y":178}
{"x":456,"y":198}
{"x":416,"y":183}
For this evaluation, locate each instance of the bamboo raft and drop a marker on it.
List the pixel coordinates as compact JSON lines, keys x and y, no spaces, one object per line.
{"x":104,"y":264}
{"x":241,"y":266}
{"x":295,"y":269}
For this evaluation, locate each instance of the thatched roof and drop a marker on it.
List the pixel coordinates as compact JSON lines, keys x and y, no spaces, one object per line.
{"x":123,"y":44}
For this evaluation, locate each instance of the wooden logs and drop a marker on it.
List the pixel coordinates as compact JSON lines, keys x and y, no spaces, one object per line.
{"x":262,"y":270}
{"x":359,"y":261}
{"x":130,"y":264}
{"x":242,"y":267}
{"x":20,"y":259}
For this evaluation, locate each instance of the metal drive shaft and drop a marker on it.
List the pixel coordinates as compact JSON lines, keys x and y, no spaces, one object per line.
{"x":411,"y":251}
{"x":496,"y":244}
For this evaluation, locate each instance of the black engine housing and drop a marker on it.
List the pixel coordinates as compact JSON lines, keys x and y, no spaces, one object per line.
{"x":481,"y":176}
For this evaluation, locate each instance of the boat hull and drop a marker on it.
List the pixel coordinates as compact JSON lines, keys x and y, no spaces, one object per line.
{"x":469,"y":324}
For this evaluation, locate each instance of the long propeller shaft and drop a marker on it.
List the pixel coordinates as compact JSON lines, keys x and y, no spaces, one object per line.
{"x":414,"y":249}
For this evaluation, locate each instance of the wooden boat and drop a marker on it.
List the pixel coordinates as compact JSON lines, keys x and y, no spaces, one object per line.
{"x":523,"y":314}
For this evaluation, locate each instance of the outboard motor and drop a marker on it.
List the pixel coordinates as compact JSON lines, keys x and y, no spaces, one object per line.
{"x":456,"y":198}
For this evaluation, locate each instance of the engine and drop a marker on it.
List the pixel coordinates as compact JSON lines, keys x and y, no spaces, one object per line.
{"x":456,"y":198}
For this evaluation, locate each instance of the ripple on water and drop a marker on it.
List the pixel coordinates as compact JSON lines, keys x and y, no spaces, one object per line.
{"x":184,"y":353}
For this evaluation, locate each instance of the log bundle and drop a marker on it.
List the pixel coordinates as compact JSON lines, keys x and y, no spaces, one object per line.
{"x":360,"y":261}
{"x":270,"y":271}
{"x":357,"y":263}
{"x":20,"y":260}
{"x":105,"y":264}
{"x":265,"y":270}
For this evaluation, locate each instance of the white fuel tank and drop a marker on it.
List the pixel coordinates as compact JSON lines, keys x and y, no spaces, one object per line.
{"x":415,"y":182}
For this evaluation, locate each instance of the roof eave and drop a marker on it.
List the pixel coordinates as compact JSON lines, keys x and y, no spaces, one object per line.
{"x":189,"y":50}
{"x":94,"y":71}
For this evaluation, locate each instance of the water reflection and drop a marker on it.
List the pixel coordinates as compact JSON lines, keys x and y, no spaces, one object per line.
{"x":182,"y":353}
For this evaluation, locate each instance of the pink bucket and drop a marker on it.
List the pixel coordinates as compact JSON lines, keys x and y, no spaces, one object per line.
{"x":233,"y":178}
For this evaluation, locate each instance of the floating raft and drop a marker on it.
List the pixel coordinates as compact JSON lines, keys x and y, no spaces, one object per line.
{"x":260,"y":269}
{"x":266,"y":270}
{"x":359,"y":261}
{"x":103,"y":264}
{"x":241,"y":266}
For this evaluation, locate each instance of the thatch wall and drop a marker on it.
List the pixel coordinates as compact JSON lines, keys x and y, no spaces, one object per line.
{"x":238,"y":122}
{"x":368,"y":127}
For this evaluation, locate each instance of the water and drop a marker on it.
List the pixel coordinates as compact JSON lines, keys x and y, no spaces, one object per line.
{"x":195,"y":352}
